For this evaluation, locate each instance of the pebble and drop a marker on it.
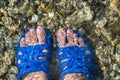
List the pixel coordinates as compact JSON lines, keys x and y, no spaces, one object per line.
{"x":13,"y":77}
{"x":51,"y":14}
{"x":115,"y":67}
{"x":34,"y":18}
{"x":114,"y":5}
{"x":82,"y":31}
{"x":85,"y":14}
{"x":13,"y":69}
{"x":117,"y":57}
{"x":112,"y":73}
{"x":117,"y":78}
{"x":101,"y":22}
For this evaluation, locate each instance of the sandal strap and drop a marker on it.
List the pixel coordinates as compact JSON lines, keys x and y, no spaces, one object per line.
{"x":29,"y":60}
{"x":76,"y":60}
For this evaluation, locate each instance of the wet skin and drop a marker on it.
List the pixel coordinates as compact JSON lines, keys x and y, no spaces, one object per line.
{"x":38,"y":36}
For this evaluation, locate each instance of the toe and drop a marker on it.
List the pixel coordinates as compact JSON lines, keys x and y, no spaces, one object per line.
{"x":61,"y":37}
{"x":70,"y":37}
{"x":75,"y":37}
{"x":27,"y":39}
{"x":33,"y":36}
{"x":41,"y":35}
{"x":81,"y":42}
{"x":22,"y":42}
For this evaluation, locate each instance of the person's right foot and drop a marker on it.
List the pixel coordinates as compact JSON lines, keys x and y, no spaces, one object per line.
{"x":34,"y":37}
{"x":73,"y":40}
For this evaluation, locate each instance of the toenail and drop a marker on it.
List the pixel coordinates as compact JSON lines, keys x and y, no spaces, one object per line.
{"x":45,"y":50}
{"x":19,"y":61}
{"x":86,"y":52}
{"x":19,"y":53}
{"x":61,"y":53}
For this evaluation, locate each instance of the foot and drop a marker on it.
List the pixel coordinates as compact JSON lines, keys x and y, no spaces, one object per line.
{"x":73,"y":40}
{"x":34,"y":37}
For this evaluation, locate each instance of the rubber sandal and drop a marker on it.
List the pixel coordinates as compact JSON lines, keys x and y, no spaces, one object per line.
{"x":29,"y":57}
{"x":77,"y":59}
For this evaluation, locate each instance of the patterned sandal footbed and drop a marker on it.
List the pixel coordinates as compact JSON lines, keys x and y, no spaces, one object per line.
{"x":76,"y":59}
{"x":30,"y":56}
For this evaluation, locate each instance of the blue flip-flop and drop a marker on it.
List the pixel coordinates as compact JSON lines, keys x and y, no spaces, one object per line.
{"x":29,"y":57}
{"x":78,"y":60}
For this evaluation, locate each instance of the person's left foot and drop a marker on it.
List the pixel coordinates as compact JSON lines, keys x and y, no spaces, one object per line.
{"x":73,"y":40}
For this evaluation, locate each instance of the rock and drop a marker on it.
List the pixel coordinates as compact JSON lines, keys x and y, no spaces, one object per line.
{"x":107,"y":35}
{"x":13,"y":69}
{"x":114,"y":42}
{"x":104,"y":68}
{"x":82,"y":31}
{"x":24,"y":7}
{"x":7,"y":21}
{"x":85,"y":14}
{"x":3,"y":67}
{"x":12,"y":2}
{"x":115,"y":67}
{"x":51,"y":14}
{"x":5,"y":61}
{"x":34,"y":18}
{"x":112,"y":74}
{"x":13,"y":77}
{"x":114,"y":4}
{"x":30,"y":11}
{"x":117,"y":57}
{"x":117,"y":78}
{"x":101,"y":22}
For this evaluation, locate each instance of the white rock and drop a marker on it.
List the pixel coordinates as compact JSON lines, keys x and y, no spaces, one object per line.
{"x":13,"y":77}
{"x":112,"y":73}
{"x":117,"y":78}
{"x":51,"y":14}
{"x":82,"y":31}
{"x":84,"y":14}
{"x":34,"y":18}
{"x":115,"y":67}
{"x":101,"y":22}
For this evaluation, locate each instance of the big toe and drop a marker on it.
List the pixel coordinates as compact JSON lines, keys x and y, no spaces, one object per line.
{"x":33,"y":36}
{"x":70,"y":37}
{"x":27,"y":39}
{"x":41,"y":35}
{"x":61,"y":37}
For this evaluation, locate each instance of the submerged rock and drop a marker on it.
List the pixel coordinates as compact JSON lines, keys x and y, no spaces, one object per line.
{"x":34,"y":18}
{"x":115,"y":5}
{"x":79,"y":16}
{"x":100,"y":23}
{"x":6,"y":61}
{"x":13,"y":77}
{"x":97,"y":20}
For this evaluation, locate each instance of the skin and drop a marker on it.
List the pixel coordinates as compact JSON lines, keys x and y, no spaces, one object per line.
{"x":38,"y":36}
